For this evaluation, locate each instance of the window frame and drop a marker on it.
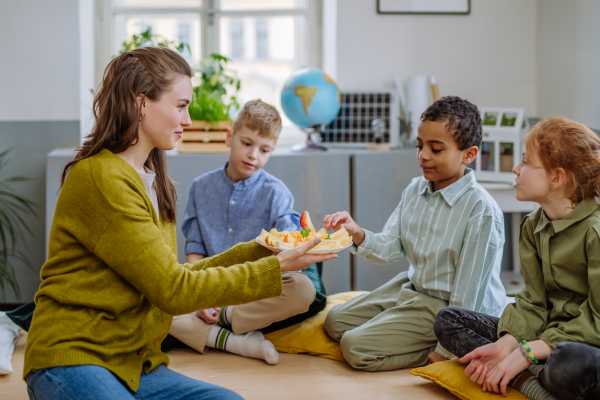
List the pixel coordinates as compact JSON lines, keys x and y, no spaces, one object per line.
{"x":209,"y":13}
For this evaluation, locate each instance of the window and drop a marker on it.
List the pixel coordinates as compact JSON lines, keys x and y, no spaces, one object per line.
{"x":267,"y":40}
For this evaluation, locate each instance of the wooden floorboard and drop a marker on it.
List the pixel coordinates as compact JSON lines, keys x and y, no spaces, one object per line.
{"x":295,"y":377}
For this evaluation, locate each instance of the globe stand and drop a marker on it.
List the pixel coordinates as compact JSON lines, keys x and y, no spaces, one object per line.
{"x":309,"y":145}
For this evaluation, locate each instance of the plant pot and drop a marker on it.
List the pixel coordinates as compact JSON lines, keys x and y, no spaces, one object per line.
{"x":204,"y":137}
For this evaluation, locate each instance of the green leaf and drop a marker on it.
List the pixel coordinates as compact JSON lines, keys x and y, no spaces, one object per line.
{"x":305,"y":232}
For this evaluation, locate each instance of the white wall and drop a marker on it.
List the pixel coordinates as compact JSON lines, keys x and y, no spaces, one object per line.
{"x":39,"y":60}
{"x":568,"y":69}
{"x":487,"y":57}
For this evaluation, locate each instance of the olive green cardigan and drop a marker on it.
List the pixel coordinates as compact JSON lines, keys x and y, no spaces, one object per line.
{"x":112,"y":281}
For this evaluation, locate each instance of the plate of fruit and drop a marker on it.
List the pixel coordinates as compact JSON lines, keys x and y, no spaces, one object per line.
{"x":285,"y":240}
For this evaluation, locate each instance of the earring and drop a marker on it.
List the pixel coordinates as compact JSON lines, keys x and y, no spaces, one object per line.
{"x":141,"y":116}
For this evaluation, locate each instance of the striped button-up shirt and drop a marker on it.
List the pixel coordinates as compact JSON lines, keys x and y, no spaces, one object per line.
{"x":453,"y":239}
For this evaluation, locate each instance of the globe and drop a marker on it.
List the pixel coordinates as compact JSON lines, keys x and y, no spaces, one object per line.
{"x":310,"y":98}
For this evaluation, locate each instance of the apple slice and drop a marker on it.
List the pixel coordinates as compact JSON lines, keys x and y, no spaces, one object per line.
{"x":263,"y":234}
{"x":329,"y":244}
{"x":285,"y":245}
{"x":270,"y":241}
{"x":339,"y":235}
{"x":305,"y":222}
{"x":322,"y":232}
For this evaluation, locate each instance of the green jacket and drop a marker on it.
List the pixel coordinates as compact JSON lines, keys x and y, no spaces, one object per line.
{"x":561,"y":266}
{"x":112,"y":281}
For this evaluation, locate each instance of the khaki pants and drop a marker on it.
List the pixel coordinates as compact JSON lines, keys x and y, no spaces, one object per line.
{"x":389,"y":328}
{"x":297,"y":296}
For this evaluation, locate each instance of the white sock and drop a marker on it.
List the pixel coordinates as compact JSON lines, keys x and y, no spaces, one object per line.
{"x":251,"y":344}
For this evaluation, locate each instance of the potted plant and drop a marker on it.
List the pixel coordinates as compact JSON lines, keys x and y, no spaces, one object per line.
{"x":12,"y":227}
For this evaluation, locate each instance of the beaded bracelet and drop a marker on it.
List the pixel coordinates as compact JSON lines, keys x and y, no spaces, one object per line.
{"x":526,"y":351}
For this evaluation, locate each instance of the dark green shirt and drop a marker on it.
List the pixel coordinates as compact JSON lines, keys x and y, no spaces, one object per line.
{"x":561,"y":266}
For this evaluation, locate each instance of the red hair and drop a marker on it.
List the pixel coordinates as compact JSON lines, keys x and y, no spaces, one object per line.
{"x":563,"y":143}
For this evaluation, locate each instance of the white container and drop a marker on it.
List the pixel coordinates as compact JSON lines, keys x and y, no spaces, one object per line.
{"x":418,"y":98}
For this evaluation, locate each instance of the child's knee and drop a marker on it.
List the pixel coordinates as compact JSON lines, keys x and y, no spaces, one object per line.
{"x":302,"y":292}
{"x":331,"y":323}
{"x":353,"y":349}
{"x":444,"y":315}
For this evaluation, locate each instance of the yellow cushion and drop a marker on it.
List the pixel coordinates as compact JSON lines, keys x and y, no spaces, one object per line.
{"x":451,"y":375}
{"x":309,"y":336}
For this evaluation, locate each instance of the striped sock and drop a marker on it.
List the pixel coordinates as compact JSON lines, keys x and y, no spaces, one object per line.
{"x":251,"y":344}
{"x":225,"y":317}
{"x":530,"y":387}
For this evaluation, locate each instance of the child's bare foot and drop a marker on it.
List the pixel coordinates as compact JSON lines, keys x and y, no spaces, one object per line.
{"x":435,"y":357}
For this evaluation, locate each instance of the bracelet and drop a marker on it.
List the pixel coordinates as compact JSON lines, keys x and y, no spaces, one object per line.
{"x":526,"y":351}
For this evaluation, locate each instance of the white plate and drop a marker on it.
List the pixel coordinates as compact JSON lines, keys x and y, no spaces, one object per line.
{"x":313,"y":251}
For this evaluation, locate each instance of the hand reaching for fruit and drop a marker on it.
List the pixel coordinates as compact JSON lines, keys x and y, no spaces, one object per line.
{"x":343,"y":220}
{"x":290,"y":240}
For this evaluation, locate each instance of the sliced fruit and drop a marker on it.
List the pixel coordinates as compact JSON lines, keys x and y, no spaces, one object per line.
{"x":305,"y":221}
{"x":322,"y":232}
{"x":263,"y":234}
{"x":339,"y":235}
{"x":270,"y":241}
{"x":288,"y":239}
{"x":284,"y":233}
{"x":329,"y":244}
{"x":345,"y":242}
{"x":274,"y":232}
{"x":285,"y":245}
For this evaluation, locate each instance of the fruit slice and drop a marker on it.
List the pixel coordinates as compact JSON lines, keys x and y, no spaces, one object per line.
{"x":285,"y":245}
{"x":263,"y":234}
{"x":328,"y":244}
{"x":288,"y":239}
{"x":270,"y":241}
{"x":305,"y":222}
{"x":274,"y":232}
{"x":345,"y":242}
{"x":322,"y":232}
{"x":339,"y":235}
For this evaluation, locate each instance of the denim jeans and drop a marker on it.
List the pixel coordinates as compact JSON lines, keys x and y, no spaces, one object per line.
{"x":96,"y":383}
{"x":572,"y":371}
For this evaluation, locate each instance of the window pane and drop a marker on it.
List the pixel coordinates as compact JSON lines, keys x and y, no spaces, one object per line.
{"x":176,"y":27}
{"x":507,"y":156}
{"x":265,"y":51}
{"x":487,"y":156}
{"x":230,"y":5}
{"x":158,"y":3}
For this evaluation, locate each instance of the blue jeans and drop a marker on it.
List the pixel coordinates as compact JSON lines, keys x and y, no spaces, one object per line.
{"x":96,"y":383}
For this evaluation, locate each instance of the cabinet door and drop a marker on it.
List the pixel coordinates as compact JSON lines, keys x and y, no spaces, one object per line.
{"x":379,"y":179}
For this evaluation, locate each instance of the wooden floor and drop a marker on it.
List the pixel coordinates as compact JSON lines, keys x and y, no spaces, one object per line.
{"x":295,"y":377}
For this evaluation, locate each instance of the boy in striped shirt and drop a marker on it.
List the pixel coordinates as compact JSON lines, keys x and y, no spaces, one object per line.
{"x":452,"y":232}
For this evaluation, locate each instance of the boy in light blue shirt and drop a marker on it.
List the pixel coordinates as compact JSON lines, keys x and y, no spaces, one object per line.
{"x":452,"y":232}
{"x":231,"y":205}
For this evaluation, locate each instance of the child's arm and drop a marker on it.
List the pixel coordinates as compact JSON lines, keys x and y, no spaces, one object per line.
{"x":194,"y":244}
{"x":479,"y":259}
{"x":586,"y":327}
{"x":283,"y":216}
{"x":528,"y":317}
{"x":377,"y":248}
{"x":193,"y":257}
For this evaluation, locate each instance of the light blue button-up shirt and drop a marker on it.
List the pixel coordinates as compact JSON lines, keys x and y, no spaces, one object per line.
{"x":453,"y":239}
{"x":221,"y":213}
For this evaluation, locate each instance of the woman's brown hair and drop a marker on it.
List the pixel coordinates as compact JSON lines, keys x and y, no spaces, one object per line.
{"x":148,"y":71}
{"x":562,"y":143}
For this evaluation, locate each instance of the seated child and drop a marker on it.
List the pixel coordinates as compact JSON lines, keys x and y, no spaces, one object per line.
{"x":231,"y":205}
{"x":452,"y":232}
{"x":547,"y":344}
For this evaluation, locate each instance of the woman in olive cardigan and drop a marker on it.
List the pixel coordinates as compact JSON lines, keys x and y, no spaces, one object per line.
{"x":112,"y":281}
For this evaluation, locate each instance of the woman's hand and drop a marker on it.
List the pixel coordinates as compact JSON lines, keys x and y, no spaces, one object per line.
{"x":296,"y":260}
{"x":209,"y":315}
{"x":505,"y":371}
{"x":341,"y":220}
{"x":483,"y":359}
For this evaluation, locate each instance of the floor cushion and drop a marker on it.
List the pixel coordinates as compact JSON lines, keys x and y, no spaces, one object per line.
{"x":309,"y":336}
